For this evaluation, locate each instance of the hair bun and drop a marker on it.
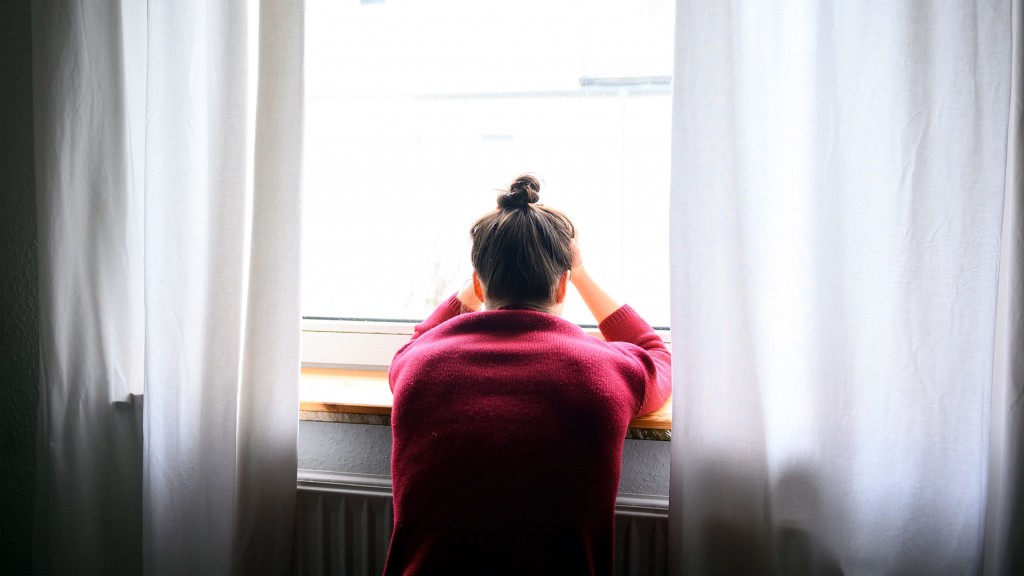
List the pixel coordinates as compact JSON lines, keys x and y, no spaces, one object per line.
{"x":523,"y":191}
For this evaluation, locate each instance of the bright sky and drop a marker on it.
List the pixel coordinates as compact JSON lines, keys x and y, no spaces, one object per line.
{"x":396,"y":172}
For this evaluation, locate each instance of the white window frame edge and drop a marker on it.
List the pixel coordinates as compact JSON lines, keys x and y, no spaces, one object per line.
{"x":366,"y":344}
{"x":353,"y":344}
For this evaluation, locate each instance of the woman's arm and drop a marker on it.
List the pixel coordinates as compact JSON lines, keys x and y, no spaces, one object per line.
{"x":623,"y":324}
{"x":460,"y":303}
{"x":447,"y":310}
{"x":600,"y":303}
{"x":626,"y":330}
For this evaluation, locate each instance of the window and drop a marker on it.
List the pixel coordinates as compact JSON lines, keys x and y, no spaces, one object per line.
{"x":418,"y":111}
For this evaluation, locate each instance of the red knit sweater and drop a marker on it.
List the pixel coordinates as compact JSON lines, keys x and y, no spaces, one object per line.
{"x":508,"y":428}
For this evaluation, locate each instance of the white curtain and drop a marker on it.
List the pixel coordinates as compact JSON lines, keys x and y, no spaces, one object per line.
{"x":1004,"y":529}
{"x":838,"y":192}
{"x":169,"y":266}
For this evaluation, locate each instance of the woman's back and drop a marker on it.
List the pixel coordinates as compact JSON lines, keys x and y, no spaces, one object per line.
{"x":508,"y":428}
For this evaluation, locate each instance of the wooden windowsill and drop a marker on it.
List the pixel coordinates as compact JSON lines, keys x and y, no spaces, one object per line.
{"x":364,"y":397}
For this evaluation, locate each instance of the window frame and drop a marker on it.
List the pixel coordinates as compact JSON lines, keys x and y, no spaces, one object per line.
{"x":354,"y":344}
{"x":370,"y":344}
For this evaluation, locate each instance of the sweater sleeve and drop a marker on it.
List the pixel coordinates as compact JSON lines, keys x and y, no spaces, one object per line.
{"x":625,"y":325}
{"x":447,"y":310}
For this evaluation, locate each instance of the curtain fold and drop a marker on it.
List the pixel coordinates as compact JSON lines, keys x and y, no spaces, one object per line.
{"x":167,"y":257}
{"x":837,"y":199}
{"x":195,"y":239}
{"x":88,"y":513}
{"x":267,"y":461}
{"x":1004,"y":529}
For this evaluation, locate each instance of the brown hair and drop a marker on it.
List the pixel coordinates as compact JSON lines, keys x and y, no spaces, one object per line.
{"x":521,"y":249}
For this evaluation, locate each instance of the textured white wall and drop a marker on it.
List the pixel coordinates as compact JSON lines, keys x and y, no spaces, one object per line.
{"x":19,"y":312}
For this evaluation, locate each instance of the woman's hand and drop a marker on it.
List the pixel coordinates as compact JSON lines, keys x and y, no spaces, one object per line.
{"x":467,"y":296}
{"x":601,"y":305}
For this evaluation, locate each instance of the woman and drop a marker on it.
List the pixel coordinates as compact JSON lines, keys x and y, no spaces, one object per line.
{"x":508,"y":423}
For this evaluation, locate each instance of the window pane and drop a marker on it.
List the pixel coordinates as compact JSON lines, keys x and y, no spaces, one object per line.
{"x":417,"y":112}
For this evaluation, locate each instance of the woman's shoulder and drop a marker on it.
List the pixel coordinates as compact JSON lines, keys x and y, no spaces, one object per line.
{"x":513,"y":322}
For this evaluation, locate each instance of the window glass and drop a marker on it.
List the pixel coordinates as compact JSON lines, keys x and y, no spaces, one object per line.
{"x":417,"y":112}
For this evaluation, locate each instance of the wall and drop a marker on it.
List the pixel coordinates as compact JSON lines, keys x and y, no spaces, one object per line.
{"x":366,"y":449}
{"x":19,"y":313}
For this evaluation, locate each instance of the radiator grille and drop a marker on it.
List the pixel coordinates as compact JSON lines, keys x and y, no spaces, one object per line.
{"x":343,"y":526}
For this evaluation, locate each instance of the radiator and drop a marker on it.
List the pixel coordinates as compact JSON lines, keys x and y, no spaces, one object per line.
{"x":343,"y":526}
